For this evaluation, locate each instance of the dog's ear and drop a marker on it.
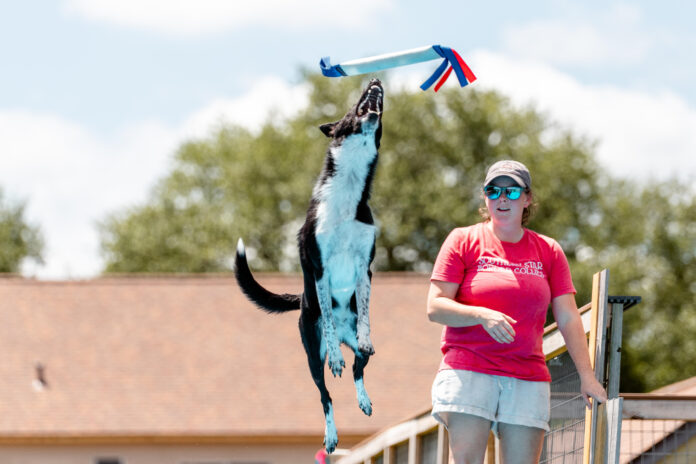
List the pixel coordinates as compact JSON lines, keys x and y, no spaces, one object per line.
{"x":328,"y":128}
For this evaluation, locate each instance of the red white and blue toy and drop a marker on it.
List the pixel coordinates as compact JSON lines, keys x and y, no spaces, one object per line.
{"x":451,"y":61}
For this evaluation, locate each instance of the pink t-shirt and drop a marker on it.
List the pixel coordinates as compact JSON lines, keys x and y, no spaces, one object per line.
{"x":518,"y":279}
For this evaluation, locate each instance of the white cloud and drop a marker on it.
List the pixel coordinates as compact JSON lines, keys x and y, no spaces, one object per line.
{"x":617,"y":36}
{"x":72,"y":178}
{"x":642,"y":135}
{"x":203,"y":17}
{"x":270,"y":97}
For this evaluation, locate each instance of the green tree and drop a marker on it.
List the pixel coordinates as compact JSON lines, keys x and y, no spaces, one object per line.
{"x":648,"y":241}
{"x":257,"y":186}
{"x":18,"y":239}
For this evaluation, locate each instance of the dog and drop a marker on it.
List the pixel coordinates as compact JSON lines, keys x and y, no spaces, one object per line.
{"x":336,"y":247}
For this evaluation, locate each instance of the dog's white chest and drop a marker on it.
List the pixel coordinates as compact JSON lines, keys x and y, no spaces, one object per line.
{"x":340,"y":193}
{"x":345,"y":254}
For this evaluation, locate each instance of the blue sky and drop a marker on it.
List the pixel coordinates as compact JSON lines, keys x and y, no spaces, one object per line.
{"x":96,"y":95}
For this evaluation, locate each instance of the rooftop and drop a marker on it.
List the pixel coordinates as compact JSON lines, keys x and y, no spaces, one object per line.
{"x":168,"y":356}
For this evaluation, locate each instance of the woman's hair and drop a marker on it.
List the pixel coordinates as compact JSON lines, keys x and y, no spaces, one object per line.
{"x":526,"y":214}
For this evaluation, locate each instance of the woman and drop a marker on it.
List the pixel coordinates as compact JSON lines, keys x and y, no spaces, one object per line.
{"x":490,"y":287}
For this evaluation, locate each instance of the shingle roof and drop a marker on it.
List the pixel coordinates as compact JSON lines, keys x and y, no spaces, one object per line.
{"x":190,"y":356}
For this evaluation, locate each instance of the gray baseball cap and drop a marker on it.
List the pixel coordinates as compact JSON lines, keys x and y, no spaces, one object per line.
{"x":513,"y":169}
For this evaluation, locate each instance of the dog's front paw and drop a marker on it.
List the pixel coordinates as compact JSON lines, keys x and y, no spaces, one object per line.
{"x":365,"y":346}
{"x":365,"y":404}
{"x":336,"y":364}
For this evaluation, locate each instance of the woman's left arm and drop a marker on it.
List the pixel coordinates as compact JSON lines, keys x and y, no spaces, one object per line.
{"x":567,"y":316}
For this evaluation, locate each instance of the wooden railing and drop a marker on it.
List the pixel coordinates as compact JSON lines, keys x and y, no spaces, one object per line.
{"x":418,"y":440}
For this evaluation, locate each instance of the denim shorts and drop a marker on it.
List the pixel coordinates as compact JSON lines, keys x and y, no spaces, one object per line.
{"x":493,"y":397}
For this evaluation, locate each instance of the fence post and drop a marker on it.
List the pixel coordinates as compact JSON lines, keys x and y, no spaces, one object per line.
{"x":606,"y":447}
{"x":442,"y":445}
{"x":614,"y":374}
{"x":615,"y":418}
{"x":600,"y":286}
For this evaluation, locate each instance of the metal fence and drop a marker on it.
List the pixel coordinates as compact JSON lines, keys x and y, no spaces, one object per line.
{"x":659,"y":428}
{"x":658,"y":441}
{"x":564,"y":443}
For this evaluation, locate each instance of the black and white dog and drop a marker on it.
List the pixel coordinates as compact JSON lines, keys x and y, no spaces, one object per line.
{"x":337,"y":245}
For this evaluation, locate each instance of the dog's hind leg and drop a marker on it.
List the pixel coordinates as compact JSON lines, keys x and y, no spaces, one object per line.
{"x":362,"y":294}
{"x":333,"y":348}
{"x":330,"y":432}
{"x":359,"y":364}
{"x":358,"y":370}
{"x":311,"y":339}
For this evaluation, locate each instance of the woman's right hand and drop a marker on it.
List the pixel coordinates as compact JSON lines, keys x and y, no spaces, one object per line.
{"x":498,"y":326}
{"x":444,"y":309}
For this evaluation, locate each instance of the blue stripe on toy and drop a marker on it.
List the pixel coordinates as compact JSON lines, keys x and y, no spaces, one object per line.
{"x":330,"y":71}
{"x":436,"y":75}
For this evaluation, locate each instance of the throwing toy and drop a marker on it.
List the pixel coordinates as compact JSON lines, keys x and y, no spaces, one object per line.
{"x":451,"y":61}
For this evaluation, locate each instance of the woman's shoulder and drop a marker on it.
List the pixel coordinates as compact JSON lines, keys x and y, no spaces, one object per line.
{"x":470,"y":232}
{"x":543,"y":240}
{"x":466,"y":241}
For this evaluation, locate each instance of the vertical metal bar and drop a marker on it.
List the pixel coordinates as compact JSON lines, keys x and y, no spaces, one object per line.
{"x":614,"y":418}
{"x":614,"y":374}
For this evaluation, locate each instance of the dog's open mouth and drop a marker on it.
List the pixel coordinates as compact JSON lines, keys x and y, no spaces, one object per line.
{"x":372,"y":99}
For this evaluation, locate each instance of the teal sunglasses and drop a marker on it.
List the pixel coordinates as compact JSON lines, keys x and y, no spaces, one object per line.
{"x":493,"y":192}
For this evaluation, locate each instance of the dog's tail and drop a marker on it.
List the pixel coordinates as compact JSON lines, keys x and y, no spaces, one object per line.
{"x":268,"y":301}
